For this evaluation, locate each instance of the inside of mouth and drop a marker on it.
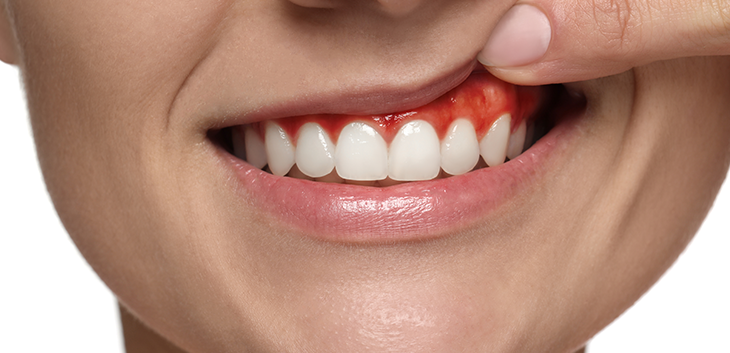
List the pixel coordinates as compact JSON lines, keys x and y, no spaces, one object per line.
{"x":360,"y":151}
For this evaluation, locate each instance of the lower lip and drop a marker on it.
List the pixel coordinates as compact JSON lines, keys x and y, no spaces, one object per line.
{"x":406,"y":212}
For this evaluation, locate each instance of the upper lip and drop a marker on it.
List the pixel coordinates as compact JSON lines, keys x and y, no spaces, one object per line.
{"x":365,"y":100}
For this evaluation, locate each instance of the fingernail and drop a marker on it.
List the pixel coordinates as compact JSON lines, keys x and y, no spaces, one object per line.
{"x":521,"y":37}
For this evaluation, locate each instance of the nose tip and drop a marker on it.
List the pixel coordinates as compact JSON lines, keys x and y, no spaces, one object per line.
{"x":395,"y":8}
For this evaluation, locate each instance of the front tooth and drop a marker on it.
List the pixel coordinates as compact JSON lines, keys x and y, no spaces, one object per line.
{"x":414,"y":153}
{"x":315,"y":151}
{"x":517,"y":141}
{"x":255,"y":149}
{"x":494,"y":144}
{"x":361,"y":153}
{"x":460,"y":148}
{"x":279,"y":149}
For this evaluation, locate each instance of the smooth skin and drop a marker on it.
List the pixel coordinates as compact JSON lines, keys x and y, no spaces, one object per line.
{"x":122,"y":95}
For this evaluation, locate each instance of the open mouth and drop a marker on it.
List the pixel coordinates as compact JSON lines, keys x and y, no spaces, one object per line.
{"x":402,"y":176}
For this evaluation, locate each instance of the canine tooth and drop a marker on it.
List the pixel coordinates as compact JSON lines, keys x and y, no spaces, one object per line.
{"x":239,"y":146}
{"x":517,"y":141}
{"x":414,"y":153}
{"x":460,"y":148}
{"x":361,"y":153}
{"x":315,"y":151}
{"x":279,"y":149}
{"x":255,"y":149}
{"x":494,"y":144}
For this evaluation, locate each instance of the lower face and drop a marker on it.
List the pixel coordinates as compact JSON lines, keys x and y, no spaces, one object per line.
{"x":181,"y":145}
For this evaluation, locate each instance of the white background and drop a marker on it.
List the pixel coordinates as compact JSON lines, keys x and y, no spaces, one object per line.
{"x":51,"y":300}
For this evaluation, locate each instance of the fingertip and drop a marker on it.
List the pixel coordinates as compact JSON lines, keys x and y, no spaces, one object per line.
{"x":520,"y":38}
{"x":517,"y":76}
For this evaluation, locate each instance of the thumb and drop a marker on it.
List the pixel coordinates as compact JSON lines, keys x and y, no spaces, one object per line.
{"x":552,"y":41}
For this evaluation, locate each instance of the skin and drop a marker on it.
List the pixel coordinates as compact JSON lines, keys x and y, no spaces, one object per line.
{"x":122,"y":94}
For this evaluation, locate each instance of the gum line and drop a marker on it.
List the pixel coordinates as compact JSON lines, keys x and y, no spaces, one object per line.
{"x":481,"y":99}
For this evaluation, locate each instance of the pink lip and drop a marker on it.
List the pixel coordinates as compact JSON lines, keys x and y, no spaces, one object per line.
{"x":406,"y":212}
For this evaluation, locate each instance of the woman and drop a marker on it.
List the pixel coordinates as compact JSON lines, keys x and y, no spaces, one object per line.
{"x":140,"y":113}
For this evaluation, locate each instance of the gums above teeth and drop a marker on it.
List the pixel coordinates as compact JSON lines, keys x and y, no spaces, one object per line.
{"x":478,"y":124}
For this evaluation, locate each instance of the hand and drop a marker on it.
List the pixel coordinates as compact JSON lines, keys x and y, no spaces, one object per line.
{"x":551,"y":41}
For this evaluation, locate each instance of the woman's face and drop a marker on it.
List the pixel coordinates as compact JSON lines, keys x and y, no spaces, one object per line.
{"x":133,"y":105}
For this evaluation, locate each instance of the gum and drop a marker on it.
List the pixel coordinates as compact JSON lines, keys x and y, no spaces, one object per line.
{"x":482,"y":99}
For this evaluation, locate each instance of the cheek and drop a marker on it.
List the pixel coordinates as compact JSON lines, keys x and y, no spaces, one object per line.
{"x":101,"y":77}
{"x":672,"y":160}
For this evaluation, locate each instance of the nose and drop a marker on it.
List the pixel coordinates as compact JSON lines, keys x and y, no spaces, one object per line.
{"x":395,"y":8}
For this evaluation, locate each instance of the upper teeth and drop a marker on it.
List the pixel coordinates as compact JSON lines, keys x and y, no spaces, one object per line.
{"x":361,"y":154}
{"x":315,"y":151}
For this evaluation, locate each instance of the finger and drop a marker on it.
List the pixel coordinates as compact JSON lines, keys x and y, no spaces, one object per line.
{"x":551,"y":41}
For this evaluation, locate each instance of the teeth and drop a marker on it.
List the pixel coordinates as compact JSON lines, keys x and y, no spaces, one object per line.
{"x":255,"y":149}
{"x":460,"y":148}
{"x":494,"y":144}
{"x":315,"y":151}
{"x":414,"y":153}
{"x":294,"y":172}
{"x":517,"y":141}
{"x":279,"y":149}
{"x":361,"y":153}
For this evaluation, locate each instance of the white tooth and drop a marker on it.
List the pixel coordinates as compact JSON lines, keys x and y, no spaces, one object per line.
{"x":361,"y":153}
{"x":255,"y":149}
{"x":460,"y":148}
{"x":315,"y":154}
{"x":239,"y":146}
{"x":279,"y":149}
{"x":414,"y":153}
{"x":494,"y":144}
{"x":517,"y":141}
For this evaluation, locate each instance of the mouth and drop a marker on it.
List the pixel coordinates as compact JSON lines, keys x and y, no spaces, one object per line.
{"x":410,"y":175}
